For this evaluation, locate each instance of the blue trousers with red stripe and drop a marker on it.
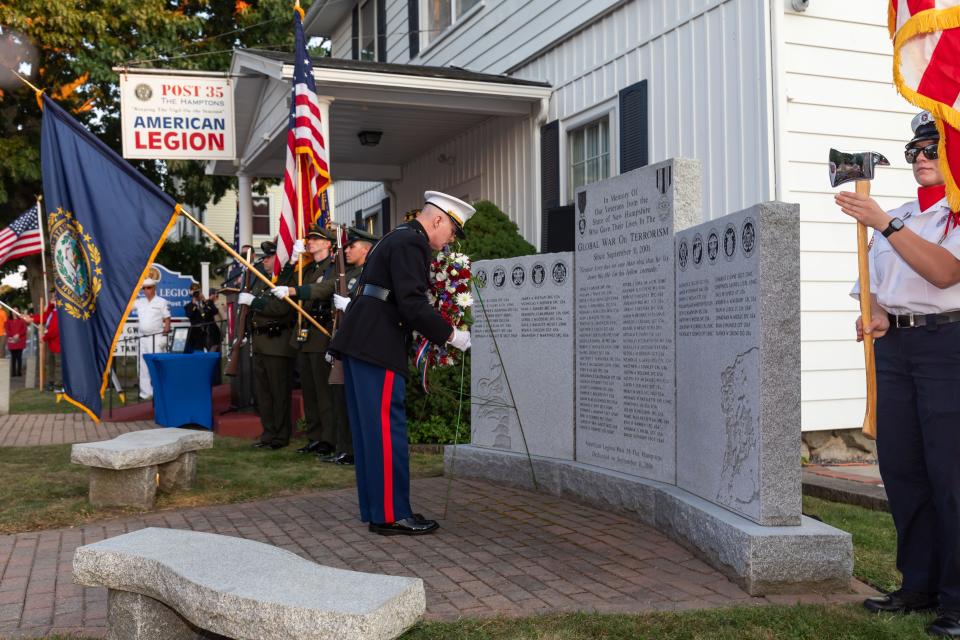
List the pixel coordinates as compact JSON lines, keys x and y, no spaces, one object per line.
{"x":378,"y":422}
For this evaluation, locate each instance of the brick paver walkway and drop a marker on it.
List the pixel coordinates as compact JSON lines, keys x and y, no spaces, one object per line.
{"x":500,"y":551}
{"x":28,"y":430}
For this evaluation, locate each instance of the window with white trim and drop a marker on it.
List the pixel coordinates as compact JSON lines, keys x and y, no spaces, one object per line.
{"x":436,"y":16}
{"x":589,"y":155}
{"x":261,"y":215}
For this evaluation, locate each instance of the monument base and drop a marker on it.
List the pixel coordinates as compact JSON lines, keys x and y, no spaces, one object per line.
{"x":760,"y":559}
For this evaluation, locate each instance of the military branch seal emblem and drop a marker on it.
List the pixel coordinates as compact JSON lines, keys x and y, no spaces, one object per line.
{"x":76,"y":265}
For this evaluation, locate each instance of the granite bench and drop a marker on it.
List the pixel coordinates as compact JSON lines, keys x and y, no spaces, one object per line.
{"x":127,"y":470}
{"x":170,"y":584}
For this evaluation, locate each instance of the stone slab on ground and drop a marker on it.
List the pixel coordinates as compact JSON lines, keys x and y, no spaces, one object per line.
{"x":849,"y":491}
{"x":760,"y":559}
{"x":248,"y":590}
{"x":140,"y":448}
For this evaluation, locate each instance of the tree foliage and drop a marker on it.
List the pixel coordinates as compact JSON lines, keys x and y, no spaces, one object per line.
{"x":491,"y":234}
{"x":186,"y":254}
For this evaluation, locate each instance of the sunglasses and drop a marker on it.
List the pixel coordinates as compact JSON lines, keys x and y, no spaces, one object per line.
{"x":930,"y":152}
{"x":149,"y":286}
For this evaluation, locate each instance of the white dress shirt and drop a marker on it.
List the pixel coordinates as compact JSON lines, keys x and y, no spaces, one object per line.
{"x":151,"y":314}
{"x":899,"y":289}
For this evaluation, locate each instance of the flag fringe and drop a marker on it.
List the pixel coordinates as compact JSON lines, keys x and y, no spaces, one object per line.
{"x":82,"y":406}
{"x":924,"y":23}
{"x":133,"y":298}
{"x":892,"y":18}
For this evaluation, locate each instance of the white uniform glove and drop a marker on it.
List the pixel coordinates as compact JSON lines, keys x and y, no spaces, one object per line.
{"x":460,"y":340}
{"x":280,"y":292}
{"x":298,"y":250}
{"x":245,"y":298}
{"x":341,"y":302}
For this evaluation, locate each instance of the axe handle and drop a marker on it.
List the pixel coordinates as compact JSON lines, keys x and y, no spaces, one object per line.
{"x":866,"y":308}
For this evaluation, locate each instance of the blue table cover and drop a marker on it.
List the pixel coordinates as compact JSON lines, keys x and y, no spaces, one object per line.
{"x":182,"y":387}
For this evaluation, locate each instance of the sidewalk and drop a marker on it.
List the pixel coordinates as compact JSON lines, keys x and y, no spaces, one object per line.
{"x":500,"y":551}
{"x":857,"y":484}
{"x":30,"y":429}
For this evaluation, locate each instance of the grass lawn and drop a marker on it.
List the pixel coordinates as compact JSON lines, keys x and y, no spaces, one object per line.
{"x":874,"y":540}
{"x":36,"y":401}
{"x":742,"y":623}
{"x":40,"y":489}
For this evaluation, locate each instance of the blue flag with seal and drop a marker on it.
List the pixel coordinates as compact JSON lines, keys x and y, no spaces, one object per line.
{"x":107,"y":222}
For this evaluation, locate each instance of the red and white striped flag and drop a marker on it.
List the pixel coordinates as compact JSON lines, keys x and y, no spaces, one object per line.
{"x":304,"y":141}
{"x":926,"y":71}
{"x":22,"y":238}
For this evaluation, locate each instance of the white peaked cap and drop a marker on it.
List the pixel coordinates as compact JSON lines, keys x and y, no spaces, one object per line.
{"x":458,"y":210}
{"x":148,"y":281}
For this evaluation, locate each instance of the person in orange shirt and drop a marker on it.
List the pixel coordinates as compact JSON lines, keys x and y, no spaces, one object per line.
{"x":3,"y":332}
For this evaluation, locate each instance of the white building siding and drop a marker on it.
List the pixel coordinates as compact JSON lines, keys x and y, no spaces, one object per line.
{"x":696,"y":57}
{"x":350,"y":196}
{"x":221,"y":217}
{"x":837,"y":79}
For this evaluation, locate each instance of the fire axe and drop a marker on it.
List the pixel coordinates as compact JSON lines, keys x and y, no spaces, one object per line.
{"x":859,"y":168}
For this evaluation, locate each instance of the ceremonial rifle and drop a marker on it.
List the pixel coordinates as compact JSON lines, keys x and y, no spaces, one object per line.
{"x":336,"y":368}
{"x":233,"y":360}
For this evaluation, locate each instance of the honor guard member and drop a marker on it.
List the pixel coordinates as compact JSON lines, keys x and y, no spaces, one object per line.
{"x":321,"y":293}
{"x":914,"y":276}
{"x":153,"y":317}
{"x":312,"y":343}
{"x":390,"y":301}
{"x":273,"y":357}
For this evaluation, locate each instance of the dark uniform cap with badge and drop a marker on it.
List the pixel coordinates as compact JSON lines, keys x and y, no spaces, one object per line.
{"x":458,"y":210}
{"x":359,"y":235}
{"x":268,"y":247}
{"x":924,"y":127}
{"x":316,"y":231}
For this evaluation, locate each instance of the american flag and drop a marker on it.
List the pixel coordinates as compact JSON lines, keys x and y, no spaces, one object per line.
{"x":304,"y":140}
{"x":926,"y":47}
{"x":22,"y":237}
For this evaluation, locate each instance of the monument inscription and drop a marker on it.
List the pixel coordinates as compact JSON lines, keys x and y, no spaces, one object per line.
{"x":737,"y":357}
{"x":530,"y":314}
{"x":626,"y":409}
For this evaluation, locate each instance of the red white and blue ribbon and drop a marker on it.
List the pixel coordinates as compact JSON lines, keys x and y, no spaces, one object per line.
{"x":423,"y":362}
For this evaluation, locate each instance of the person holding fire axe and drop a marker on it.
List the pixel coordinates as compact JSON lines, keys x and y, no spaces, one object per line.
{"x":915,"y":285}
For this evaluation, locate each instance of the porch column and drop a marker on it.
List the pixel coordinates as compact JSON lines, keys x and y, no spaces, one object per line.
{"x":245,"y":201}
{"x":324,"y":103}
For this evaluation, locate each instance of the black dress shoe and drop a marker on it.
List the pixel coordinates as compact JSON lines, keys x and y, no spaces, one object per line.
{"x":344,"y":458}
{"x":316,"y":446}
{"x":406,"y":527}
{"x":901,"y":601}
{"x":328,"y":457}
{"x":947,"y":624}
{"x":260,"y":445}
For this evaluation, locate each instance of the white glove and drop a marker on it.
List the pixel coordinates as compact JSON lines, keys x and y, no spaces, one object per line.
{"x":280,"y":292}
{"x":298,"y":250}
{"x":341,"y":302}
{"x":245,"y":298}
{"x":460,"y":340}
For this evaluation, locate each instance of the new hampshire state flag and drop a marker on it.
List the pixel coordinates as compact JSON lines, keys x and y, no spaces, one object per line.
{"x":106,"y":224}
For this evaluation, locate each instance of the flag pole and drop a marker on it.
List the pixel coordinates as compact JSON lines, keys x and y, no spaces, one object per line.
{"x":41,"y":330}
{"x":43,"y":255}
{"x":299,"y":266}
{"x":236,"y":256}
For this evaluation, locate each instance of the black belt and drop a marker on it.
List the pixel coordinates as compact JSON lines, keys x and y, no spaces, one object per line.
{"x":374,"y":291}
{"x":911,"y":320}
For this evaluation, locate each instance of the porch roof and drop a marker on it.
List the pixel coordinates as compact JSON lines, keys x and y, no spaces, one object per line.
{"x":415,"y":107}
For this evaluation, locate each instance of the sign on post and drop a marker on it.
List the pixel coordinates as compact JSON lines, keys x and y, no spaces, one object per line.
{"x":177,"y":117}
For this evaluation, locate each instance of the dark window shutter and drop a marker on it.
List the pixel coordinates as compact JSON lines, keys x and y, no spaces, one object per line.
{"x":413,"y":26}
{"x":550,"y":165}
{"x":358,"y":219}
{"x":381,"y":30}
{"x":558,"y":225}
{"x":633,"y":127}
{"x":385,"y":218}
{"x":355,"y":32}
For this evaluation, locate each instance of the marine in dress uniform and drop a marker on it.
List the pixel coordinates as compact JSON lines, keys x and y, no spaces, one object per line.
{"x":153,"y":317}
{"x":318,"y":293}
{"x":273,"y":357}
{"x":915,"y":288}
{"x":204,"y":334}
{"x":389,"y":302}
